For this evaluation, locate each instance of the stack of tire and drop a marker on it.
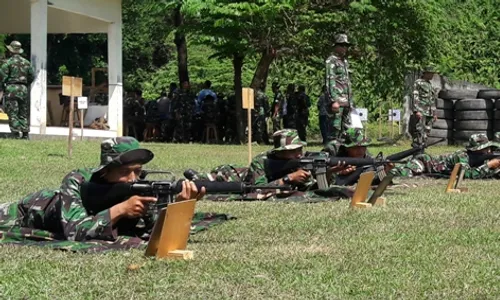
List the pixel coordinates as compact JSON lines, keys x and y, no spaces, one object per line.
{"x":443,"y":126}
{"x":473,"y":113}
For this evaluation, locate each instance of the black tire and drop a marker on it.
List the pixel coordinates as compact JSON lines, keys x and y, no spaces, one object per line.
{"x":432,"y":139}
{"x":479,"y":125}
{"x":489,"y":94}
{"x":444,"y":104}
{"x":497,"y":104}
{"x":441,"y":133}
{"x":443,"y":124}
{"x":464,"y":135}
{"x":496,"y":126}
{"x":457,"y":94}
{"x":474,"y":115}
{"x":444,"y":114}
{"x":473,"y":104}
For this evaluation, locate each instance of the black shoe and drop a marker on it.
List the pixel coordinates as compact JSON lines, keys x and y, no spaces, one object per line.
{"x":191,"y":174}
{"x":16,"y":135}
{"x":26,"y":136}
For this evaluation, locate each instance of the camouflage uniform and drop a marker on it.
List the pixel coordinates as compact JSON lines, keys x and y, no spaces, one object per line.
{"x":302,"y":114}
{"x":278,"y":104}
{"x":444,"y":164}
{"x":339,"y":90}
{"x":259,"y":116}
{"x":183,"y":103}
{"x":424,"y":99}
{"x":289,"y":119}
{"x":17,"y":75}
{"x":231,"y":132}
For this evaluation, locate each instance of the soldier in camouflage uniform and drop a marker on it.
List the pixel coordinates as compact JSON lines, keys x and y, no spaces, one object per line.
{"x":339,"y":89}
{"x":277,"y":107}
{"x":423,"y":107}
{"x":17,"y":74}
{"x":290,"y":108}
{"x":62,"y":213}
{"x":354,"y":145}
{"x":302,"y":112}
{"x":261,"y":106}
{"x":183,"y":103}
{"x":444,"y":164}
{"x":287,"y":146}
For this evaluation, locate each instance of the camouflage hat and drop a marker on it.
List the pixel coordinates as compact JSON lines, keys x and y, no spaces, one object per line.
{"x":478,"y":142}
{"x":15,"y":47}
{"x":354,"y":137}
{"x":122,"y":151}
{"x":429,"y":69}
{"x":341,"y":39}
{"x":287,"y":139}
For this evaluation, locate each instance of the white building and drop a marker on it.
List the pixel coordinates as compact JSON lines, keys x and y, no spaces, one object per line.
{"x":42,"y":17}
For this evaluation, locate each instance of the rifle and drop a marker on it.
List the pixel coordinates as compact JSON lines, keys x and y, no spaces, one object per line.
{"x":97,"y":197}
{"x":318,"y":163}
{"x":476,"y":160}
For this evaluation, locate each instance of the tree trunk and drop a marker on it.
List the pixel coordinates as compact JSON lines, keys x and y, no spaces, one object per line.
{"x":180,"y":42}
{"x":262,"y":69}
{"x":238,"y":67}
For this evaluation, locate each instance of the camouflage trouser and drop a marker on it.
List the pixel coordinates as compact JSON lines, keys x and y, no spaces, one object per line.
{"x":338,"y":123}
{"x":258,"y":128}
{"x":276,"y":123}
{"x":302,"y":122}
{"x":421,"y":128}
{"x":182,"y":131}
{"x":17,"y":107}
{"x":421,"y":163}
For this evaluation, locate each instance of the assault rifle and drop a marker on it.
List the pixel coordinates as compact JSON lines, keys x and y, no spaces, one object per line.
{"x":319,"y":162}
{"x":97,"y":197}
{"x":476,"y":160}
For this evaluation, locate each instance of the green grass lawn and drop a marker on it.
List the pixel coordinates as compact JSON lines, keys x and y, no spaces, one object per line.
{"x":424,"y":245}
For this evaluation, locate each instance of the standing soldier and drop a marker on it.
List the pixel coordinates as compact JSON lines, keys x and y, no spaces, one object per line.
{"x":290,"y":108}
{"x":423,"y":108}
{"x":276,"y":110}
{"x":259,"y":115}
{"x":17,"y":74}
{"x":302,"y":112}
{"x":183,"y":107}
{"x":338,"y":88}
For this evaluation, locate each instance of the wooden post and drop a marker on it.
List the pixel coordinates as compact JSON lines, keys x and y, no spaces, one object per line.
{"x":72,"y":86}
{"x":248,"y":104}
{"x":81,"y":124}
{"x":70,"y":125}
{"x":380,"y":122}
{"x":361,"y":192}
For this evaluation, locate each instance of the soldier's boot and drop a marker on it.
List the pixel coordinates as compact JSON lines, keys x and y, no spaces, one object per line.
{"x":25,"y":136}
{"x":191,"y":174}
{"x":15,"y":135}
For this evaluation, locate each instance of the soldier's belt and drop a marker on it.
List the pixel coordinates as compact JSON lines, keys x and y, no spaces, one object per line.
{"x":17,"y":82}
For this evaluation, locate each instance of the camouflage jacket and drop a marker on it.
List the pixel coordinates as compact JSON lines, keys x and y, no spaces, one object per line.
{"x":98,"y":226}
{"x":183,"y":104}
{"x":424,"y":97}
{"x":337,"y":80}
{"x":261,"y":106}
{"x":16,"y":70}
{"x":278,"y":102}
{"x":444,"y":164}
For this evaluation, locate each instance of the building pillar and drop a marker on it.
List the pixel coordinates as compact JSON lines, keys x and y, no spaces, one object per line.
{"x":115,"y":81}
{"x":38,"y":95}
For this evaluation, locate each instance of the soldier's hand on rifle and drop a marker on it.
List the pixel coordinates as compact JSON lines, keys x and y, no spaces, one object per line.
{"x":190,"y":191}
{"x":348,"y":170}
{"x":419,"y":115}
{"x":434,"y":117}
{"x":335,"y":107}
{"x":339,"y":167}
{"x":494,"y":163}
{"x":388,"y":167}
{"x":135,"y":206}
{"x":299,"y":176}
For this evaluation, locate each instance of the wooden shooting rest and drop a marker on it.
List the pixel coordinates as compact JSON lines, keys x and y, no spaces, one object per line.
{"x":456,"y":178}
{"x":171,"y":231}
{"x":359,"y":199}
